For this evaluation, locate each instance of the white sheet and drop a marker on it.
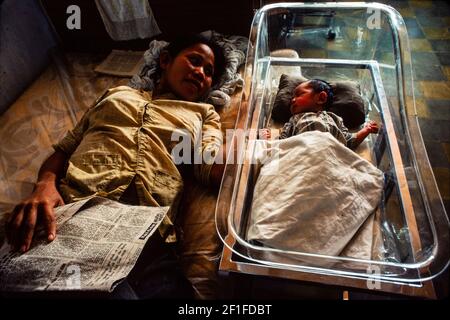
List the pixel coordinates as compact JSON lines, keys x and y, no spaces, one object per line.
{"x":312,"y":194}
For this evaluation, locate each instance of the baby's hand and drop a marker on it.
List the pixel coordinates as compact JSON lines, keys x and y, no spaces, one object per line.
{"x":372,"y":127}
{"x":264,"y":133}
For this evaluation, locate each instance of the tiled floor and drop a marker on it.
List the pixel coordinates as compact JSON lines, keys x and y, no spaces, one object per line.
{"x":428,"y":24}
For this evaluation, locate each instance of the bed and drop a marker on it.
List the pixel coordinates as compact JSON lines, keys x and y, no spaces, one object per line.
{"x":55,"y":101}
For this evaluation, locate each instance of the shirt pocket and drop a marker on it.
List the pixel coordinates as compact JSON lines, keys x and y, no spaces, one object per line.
{"x":97,"y":160}
{"x":166,"y":187}
{"x":94,"y":170}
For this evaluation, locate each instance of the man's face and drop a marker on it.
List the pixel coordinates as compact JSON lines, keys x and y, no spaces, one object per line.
{"x":304,"y":100}
{"x":190,"y":74}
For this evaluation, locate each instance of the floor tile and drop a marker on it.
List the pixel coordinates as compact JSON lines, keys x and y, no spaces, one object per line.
{"x":425,"y":58}
{"x":436,"y":33}
{"x":418,"y":90}
{"x":444,"y":58}
{"x":438,"y":109}
{"x":436,"y":154}
{"x":442,"y":4}
{"x":406,"y":12}
{"x":446,"y":147}
{"x":421,"y":4}
{"x":446,"y":70}
{"x":420,"y":45}
{"x":447,"y":209}
{"x":426,"y":66}
{"x":442,"y":176}
{"x":397,"y":3}
{"x":435,"y":89}
{"x":435,"y":130}
{"x":414,"y":30}
{"x":446,"y":20}
{"x":429,"y":18}
{"x":440,"y":45}
{"x":421,"y":108}
{"x":428,"y":73}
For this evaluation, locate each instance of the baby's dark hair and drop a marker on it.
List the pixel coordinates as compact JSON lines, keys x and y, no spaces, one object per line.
{"x":320,"y":85}
{"x":185,"y":41}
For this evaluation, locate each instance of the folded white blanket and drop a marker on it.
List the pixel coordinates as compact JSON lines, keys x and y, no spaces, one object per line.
{"x":312,"y":194}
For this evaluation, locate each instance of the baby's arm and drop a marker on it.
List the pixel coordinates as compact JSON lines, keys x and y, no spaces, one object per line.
{"x":370,"y":127}
{"x":264,"y":134}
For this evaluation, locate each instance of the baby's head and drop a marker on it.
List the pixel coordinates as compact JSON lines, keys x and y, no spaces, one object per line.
{"x":312,"y":96}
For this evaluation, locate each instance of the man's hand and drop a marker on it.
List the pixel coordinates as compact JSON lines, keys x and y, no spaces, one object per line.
{"x":38,"y":208}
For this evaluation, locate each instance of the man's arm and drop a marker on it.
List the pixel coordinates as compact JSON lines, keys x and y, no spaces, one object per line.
{"x":38,"y":207}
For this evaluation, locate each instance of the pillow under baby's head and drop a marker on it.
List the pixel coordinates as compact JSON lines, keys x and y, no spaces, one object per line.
{"x":347,"y":102}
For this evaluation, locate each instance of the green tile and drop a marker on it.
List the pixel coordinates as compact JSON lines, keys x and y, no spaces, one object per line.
{"x":446,"y":70}
{"x":442,"y":176}
{"x":418,"y":90}
{"x":428,"y":73}
{"x":436,"y":33}
{"x":396,"y":3}
{"x":444,"y":58}
{"x":421,"y":108}
{"x":442,"y":5}
{"x":414,"y":30}
{"x":435,"y":130}
{"x":424,"y":58}
{"x":421,"y":4}
{"x":436,"y":154}
{"x":429,"y":18}
{"x":435,"y":89}
{"x":440,"y":45}
{"x":420,"y":45}
{"x":446,"y":147}
{"x":438,"y":109}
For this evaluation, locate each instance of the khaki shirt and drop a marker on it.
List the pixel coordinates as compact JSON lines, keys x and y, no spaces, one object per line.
{"x":127,"y":137}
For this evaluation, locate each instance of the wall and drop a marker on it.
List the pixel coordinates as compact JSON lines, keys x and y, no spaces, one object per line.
{"x":173,"y":17}
{"x":25,"y":40}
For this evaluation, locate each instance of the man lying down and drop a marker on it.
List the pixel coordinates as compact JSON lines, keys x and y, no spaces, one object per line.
{"x":313,"y":193}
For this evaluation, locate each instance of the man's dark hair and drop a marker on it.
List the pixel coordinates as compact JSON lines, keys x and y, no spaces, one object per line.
{"x":320,"y":85}
{"x":185,"y":41}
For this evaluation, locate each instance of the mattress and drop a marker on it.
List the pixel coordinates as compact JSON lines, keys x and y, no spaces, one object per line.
{"x":41,"y":116}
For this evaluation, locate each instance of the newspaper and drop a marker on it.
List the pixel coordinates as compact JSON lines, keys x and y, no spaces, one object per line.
{"x":97,"y":244}
{"x":121,"y":63}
